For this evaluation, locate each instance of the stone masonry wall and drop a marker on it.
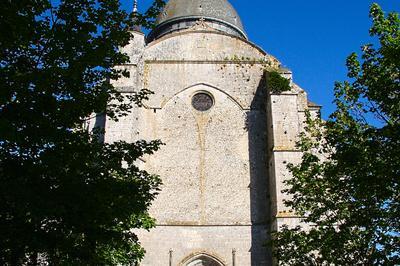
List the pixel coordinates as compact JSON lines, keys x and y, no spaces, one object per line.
{"x":222,"y":169}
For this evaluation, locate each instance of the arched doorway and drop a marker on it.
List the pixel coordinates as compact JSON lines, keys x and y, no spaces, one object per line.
{"x":203,"y":260}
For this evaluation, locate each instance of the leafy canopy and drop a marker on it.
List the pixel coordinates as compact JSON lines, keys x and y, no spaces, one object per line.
{"x":65,"y":197}
{"x":347,"y":185}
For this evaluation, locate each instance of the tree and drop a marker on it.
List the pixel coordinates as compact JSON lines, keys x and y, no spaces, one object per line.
{"x":65,"y":197}
{"x":347,"y":184}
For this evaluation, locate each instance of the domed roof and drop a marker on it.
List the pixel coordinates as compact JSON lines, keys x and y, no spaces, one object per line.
{"x":221,"y":12}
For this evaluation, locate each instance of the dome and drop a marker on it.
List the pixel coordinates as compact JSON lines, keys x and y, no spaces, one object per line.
{"x":183,"y":14}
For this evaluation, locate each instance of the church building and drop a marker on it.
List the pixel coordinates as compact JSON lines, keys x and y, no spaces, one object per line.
{"x":228,"y":138}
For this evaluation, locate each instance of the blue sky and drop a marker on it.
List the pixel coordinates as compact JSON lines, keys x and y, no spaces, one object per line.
{"x":310,"y":37}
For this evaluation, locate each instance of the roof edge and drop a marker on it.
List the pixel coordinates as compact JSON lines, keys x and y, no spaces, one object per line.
{"x":152,"y":35}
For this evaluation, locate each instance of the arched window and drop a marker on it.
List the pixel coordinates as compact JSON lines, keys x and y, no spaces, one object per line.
{"x":203,"y":260}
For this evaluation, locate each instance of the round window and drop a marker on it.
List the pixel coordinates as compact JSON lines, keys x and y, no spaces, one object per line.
{"x":202,"y":101}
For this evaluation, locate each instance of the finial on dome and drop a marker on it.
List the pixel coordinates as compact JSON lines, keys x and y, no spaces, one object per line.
{"x":136,"y":25}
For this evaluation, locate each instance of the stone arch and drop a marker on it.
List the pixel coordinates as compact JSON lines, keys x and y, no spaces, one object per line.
{"x":206,"y":86}
{"x":230,"y":41}
{"x":202,"y":259}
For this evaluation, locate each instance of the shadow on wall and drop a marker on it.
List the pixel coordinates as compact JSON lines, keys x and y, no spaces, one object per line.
{"x":100,"y":125}
{"x":257,"y":127}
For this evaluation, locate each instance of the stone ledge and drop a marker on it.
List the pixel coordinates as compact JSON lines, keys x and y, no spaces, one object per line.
{"x":238,"y":62}
{"x":284,"y":149}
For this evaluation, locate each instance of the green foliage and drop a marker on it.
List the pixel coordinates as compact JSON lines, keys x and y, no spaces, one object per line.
{"x":347,"y":185}
{"x":276,"y":83}
{"x":66,"y":197}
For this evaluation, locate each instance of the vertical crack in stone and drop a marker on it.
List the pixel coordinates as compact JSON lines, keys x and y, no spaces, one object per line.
{"x":202,"y":120}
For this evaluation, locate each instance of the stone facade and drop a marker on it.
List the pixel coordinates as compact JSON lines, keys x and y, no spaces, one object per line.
{"x":222,"y":168}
